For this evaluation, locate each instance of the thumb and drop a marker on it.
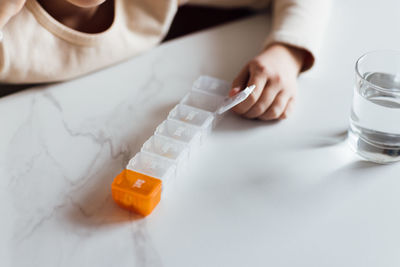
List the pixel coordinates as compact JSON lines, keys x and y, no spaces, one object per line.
{"x":234,"y":91}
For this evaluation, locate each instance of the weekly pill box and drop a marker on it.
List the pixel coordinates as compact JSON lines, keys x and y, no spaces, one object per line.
{"x":150,"y":173}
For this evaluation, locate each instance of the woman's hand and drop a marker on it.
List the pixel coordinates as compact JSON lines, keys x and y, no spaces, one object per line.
{"x":274,"y":72}
{"x":8,"y":9}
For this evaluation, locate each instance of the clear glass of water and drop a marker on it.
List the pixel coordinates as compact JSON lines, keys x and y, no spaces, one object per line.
{"x":374,"y":131}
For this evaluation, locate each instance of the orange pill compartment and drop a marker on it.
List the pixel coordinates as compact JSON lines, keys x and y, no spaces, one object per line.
{"x":136,"y":192}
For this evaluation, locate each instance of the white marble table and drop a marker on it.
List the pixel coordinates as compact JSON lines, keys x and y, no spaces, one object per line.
{"x":257,"y":194}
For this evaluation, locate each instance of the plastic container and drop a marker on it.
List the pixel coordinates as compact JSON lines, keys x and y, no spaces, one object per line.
{"x":153,"y":166}
{"x":136,"y":191}
{"x":168,"y":148}
{"x":180,"y":132}
{"x":211,"y":85}
{"x":202,"y":100}
{"x":151,"y":173}
{"x":195,"y":117}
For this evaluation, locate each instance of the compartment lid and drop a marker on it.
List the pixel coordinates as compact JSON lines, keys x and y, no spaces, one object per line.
{"x":230,"y":102}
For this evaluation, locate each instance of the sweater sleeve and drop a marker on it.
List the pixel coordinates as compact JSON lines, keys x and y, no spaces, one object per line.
{"x":301,"y":24}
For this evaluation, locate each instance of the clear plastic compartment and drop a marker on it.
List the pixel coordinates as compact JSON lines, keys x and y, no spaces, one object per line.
{"x":168,"y":148}
{"x":181,"y":132}
{"x":154,"y":166}
{"x":202,"y":100}
{"x":192,"y":116}
{"x":212,"y":85}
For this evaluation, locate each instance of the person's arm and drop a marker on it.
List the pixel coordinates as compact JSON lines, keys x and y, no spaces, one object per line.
{"x":290,"y":48}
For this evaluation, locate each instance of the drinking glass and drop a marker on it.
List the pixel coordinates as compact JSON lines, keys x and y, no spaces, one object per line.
{"x":374,"y":131}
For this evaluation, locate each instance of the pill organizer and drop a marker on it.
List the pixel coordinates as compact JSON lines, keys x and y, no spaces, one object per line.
{"x":148,"y":175}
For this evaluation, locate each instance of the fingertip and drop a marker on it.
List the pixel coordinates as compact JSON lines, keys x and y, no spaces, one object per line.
{"x":234,"y":91}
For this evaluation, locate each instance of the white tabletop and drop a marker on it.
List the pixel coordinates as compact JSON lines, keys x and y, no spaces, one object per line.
{"x":257,"y":194}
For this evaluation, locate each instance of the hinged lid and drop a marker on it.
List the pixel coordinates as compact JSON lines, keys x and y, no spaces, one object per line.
{"x":232,"y":101}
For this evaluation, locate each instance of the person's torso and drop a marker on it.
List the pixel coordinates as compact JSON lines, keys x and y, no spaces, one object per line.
{"x":37,"y":48}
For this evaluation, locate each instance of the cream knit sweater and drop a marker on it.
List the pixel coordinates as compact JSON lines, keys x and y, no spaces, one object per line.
{"x":37,"y":48}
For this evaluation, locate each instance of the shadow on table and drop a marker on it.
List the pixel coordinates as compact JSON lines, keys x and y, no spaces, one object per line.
{"x":357,"y":168}
{"x":7,"y":89}
{"x":322,"y":140}
{"x":235,"y":123}
{"x":91,"y":204}
{"x":362,"y":165}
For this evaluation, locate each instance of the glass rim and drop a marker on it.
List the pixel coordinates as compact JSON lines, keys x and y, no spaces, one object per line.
{"x":377,"y":87}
